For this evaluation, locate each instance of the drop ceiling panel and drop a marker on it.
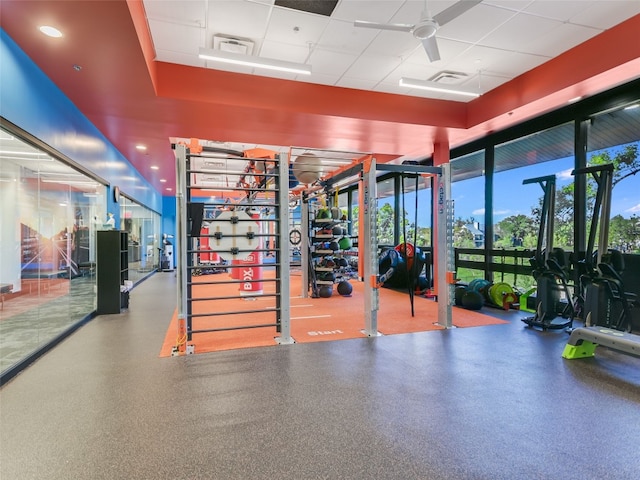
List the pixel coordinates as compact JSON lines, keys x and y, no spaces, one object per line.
{"x":191,"y":13}
{"x":284,"y":51}
{"x":176,"y":37}
{"x":295,"y":28}
{"x":341,"y":36}
{"x":563,"y":10}
{"x":368,"y":10}
{"x":400,"y":44}
{"x":519,"y":31}
{"x":237,"y":18}
{"x":606,"y":14}
{"x":357,"y":83}
{"x":475,"y":24}
{"x":558,"y":40}
{"x":372,"y":67}
{"x":331,"y":63}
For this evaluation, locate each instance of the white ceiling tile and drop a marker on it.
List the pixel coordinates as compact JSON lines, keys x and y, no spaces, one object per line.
{"x":475,"y":24}
{"x":562,"y":10}
{"x":176,"y":37}
{"x":237,"y":18}
{"x":513,"y":5}
{"x":331,"y":63}
{"x":177,"y":11}
{"x":560,"y":39}
{"x":520,"y":30}
{"x":320,"y":78}
{"x":477,"y":58}
{"x":373,"y":67}
{"x":368,"y":10}
{"x":283,"y":51}
{"x":357,"y":83}
{"x":605,"y":14}
{"x":341,"y":36}
{"x":296,"y":28}
{"x":488,"y":82}
{"x":399,"y":44}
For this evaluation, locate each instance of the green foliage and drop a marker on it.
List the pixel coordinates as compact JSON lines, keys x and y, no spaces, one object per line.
{"x":385,"y":223}
{"x":625,"y":164}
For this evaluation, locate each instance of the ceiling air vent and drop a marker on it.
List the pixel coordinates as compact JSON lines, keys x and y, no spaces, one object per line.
{"x":448,"y":77}
{"x":241,"y":46}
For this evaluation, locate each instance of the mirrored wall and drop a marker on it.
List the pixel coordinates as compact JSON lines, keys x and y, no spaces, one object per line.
{"x":49,"y":214}
{"x":145,"y":241}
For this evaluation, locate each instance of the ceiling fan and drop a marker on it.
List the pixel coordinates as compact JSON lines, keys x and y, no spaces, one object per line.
{"x":425,"y":30}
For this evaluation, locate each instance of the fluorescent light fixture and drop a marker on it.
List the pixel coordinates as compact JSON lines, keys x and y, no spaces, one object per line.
{"x":27,"y":155}
{"x":141,"y":147}
{"x":50,"y":31}
{"x":633,"y":106}
{"x":71,"y":182}
{"x":574,"y":99}
{"x":434,"y":87}
{"x":252,"y":61}
{"x":27,"y":159}
{"x":155,"y":167}
{"x":163,"y":180}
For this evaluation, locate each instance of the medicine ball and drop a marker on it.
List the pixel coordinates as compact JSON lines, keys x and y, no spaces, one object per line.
{"x":458,"y":293}
{"x":337,"y":231}
{"x":345,"y":243}
{"x":472,"y":300}
{"x":334,"y":245}
{"x":325,"y":291}
{"x":327,"y":276}
{"x":323,"y":214}
{"x":307,"y":168}
{"x":345,"y":288}
{"x":342,"y":262}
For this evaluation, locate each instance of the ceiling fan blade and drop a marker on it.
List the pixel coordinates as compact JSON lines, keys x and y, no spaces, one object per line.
{"x":431,"y":47}
{"x":454,"y":11}
{"x":400,"y":27}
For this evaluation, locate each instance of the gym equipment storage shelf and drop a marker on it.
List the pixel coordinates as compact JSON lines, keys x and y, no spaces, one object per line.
{"x":328,"y":241}
{"x":112,"y":271}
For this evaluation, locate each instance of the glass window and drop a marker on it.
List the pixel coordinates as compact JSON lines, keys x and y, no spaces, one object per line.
{"x":386,"y":216}
{"x":467,"y":192}
{"x":142,"y":226}
{"x":48,"y":220}
{"x":517,"y":207}
{"x":614,"y":137}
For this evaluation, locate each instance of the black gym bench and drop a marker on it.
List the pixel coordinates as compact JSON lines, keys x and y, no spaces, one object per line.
{"x":584,"y":340}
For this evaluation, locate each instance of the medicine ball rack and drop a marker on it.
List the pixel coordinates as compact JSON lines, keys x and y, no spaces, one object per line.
{"x":330,"y":242}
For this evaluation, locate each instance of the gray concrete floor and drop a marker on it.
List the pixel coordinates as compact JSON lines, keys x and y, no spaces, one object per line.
{"x":495,"y":402}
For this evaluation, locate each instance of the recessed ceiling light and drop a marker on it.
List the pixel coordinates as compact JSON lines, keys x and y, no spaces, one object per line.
{"x":155,"y":167}
{"x":163,"y":180}
{"x":50,"y":31}
{"x":141,"y":147}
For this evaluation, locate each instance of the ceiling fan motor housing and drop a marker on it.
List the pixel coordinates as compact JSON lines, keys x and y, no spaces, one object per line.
{"x":425,"y":29}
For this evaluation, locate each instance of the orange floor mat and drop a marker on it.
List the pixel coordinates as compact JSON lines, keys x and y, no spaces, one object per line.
{"x":312,"y":319}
